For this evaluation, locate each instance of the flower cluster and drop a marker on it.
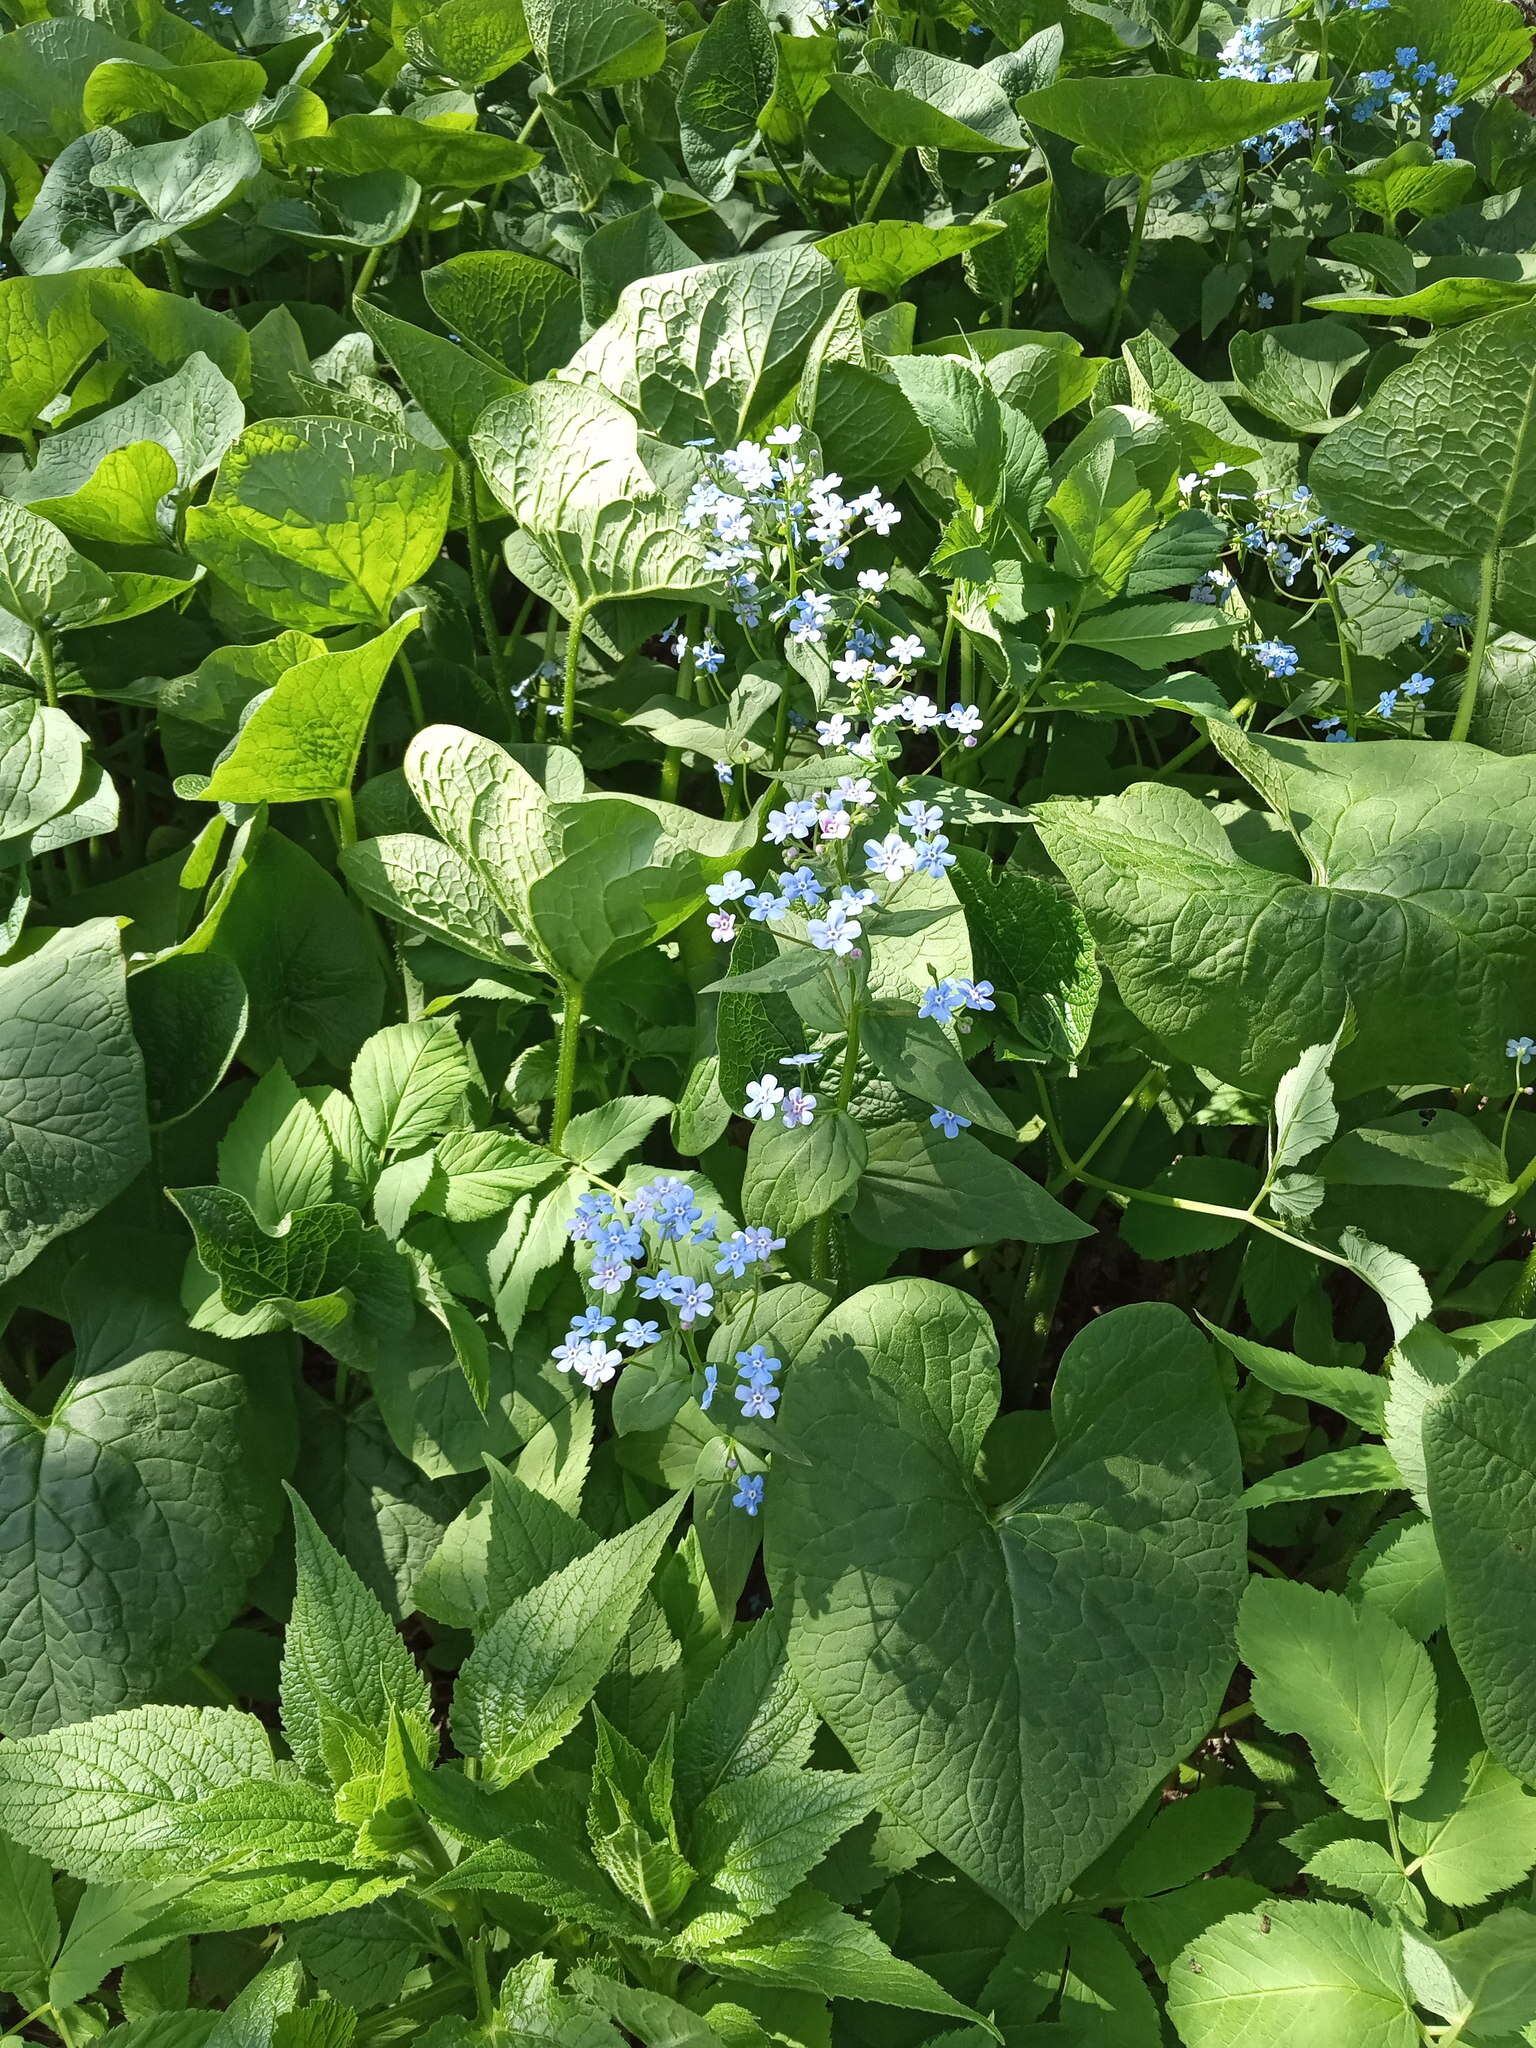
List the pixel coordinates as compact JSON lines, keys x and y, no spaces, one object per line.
{"x":1411,"y":86}
{"x":623,"y":1236}
{"x":756,"y":1393}
{"x":764,"y":508}
{"x":944,"y":1001}
{"x":766,"y":1099}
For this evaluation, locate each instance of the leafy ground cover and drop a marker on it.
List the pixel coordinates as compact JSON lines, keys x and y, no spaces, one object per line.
{"x":767,"y":1008}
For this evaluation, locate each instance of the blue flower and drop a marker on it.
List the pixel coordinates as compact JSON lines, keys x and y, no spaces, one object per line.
{"x":1386,"y":703}
{"x":1276,"y":657}
{"x":1418,"y":684}
{"x":755,"y":1363}
{"x":949,"y":1122}
{"x":636,"y":1334}
{"x":757,"y":1399}
{"x":1521,"y":1048}
{"x":941,"y":1001}
{"x":711,"y":1375}
{"x":749,"y":1492}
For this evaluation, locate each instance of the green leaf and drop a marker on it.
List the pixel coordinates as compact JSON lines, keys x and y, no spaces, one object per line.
{"x":305,"y":956}
{"x":44,"y":68}
{"x":408,"y":1082}
{"x":1476,"y":41}
{"x":1032,"y":943}
{"x":748,"y":1716}
{"x":1186,"y":1839}
{"x":961,"y":412}
{"x":452,"y":386}
{"x":1356,"y":1686}
{"x":346,"y":1671}
{"x":470,"y":41}
{"x":189,"y":1015}
{"x":730,"y":78}
{"x":921,"y":1188}
{"x":795,"y":1176}
{"x":544,"y":1868}
{"x":1360,"y":1396}
{"x":1469,"y":490}
{"x":599,"y":1138}
{"x":808,"y":1944}
{"x":914,"y":99}
{"x":302,"y":740}
{"x":1492,"y":1976}
{"x":756,"y":1838}
{"x":1153,"y":636}
{"x":72,"y":1104}
{"x":1163,"y":886}
{"x":885,"y":255}
{"x":185,"y":95}
{"x":1358,"y":1468}
{"x":521,"y":313}
{"x":1323,"y":1973}
{"x":716,"y":349}
{"x":97,"y":1798}
{"x":915,"y":1055}
{"x":43,"y":581}
{"x":321,"y":522}
{"x":589,"y":43}
{"x":1480,"y":1449}
{"x":960,"y":1656}
{"x":47,"y":329}
{"x":169,"y":186}
{"x":29,"y":1924}
{"x":439,"y":156}
{"x":1293,"y":373}
{"x":1133,"y":127}
{"x":528,"y":1679}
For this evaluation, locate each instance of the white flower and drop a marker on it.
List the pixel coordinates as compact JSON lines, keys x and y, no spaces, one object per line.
{"x":730,"y":888}
{"x":906,"y":648}
{"x":873,"y":580}
{"x":764,"y":1097}
{"x":833,"y":731}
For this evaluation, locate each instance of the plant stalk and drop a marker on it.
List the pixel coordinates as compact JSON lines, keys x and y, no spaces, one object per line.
{"x":1132,"y":260}
{"x":565,"y":1063}
{"x":1462,"y":724}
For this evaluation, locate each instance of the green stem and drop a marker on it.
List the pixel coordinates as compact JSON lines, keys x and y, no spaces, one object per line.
{"x":45,"y":666}
{"x":412,"y":689}
{"x":565,"y":1062}
{"x":172,"y":270}
{"x":892,"y":165}
{"x":1132,"y":259}
{"x":1462,"y":723}
{"x":365,"y":275}
{"x":346,"y":817}
{"x":573,"y":633}
{"x":532,"y":121}
{"x":821,"y":1238}
{"x":480,"y":574}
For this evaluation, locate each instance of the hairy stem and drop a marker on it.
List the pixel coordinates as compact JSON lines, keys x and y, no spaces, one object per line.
{"x":565,"y":1063}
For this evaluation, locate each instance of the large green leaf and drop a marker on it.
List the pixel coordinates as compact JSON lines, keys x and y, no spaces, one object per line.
{"x":1417,"y":910}
{"x":914,"y":99}
{"x":1134,"y":126}
{"x":1480,"y":1448}
{"x":303,"y":738}
{"x":439,"y":155}
{"x":564,"y":460}
{"x":136,"y":1511}
{"x":47,"y":329}
{"x":732,"y":70}
{"x":103,"y":199}
{"x":1016,"y":1681}
{"x":1295,"y":1972}
{"x":713,"y":350}
{"x":587,"y":43}
{"x":522,"y":313}
{"x":1443,"y":459}
{"x":72,"y":1107}
{"x":580,"y":883}
{"x":1348,"y":1679}
{"x":323,"y":522}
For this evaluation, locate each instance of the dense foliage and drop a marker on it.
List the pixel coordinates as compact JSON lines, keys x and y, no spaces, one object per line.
{"x":766,"y":780}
